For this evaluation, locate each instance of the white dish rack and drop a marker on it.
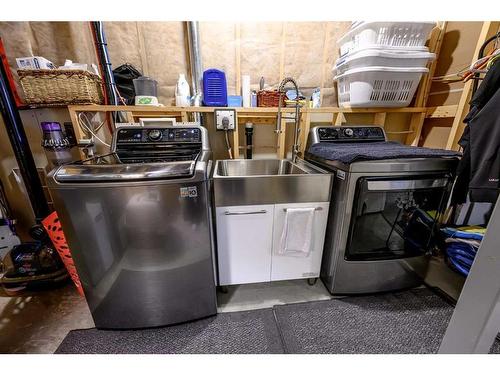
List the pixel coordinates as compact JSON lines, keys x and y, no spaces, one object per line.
{"x":388,"y":57}
{"x":378,"y":86}
{"x":387,"y":34}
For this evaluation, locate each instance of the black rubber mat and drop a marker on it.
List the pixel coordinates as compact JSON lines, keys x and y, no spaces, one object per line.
{"x":246,"y":332}
{"x":406,"y":322}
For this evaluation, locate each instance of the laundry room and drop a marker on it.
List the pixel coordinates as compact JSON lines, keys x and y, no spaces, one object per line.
{"x":191,"y":184}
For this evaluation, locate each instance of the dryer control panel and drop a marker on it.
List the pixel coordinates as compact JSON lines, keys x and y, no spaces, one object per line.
{"x":348,"y":134}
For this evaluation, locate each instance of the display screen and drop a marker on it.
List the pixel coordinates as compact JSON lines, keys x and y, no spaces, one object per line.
{"x":129,"y":135}
{"x":184,"y":135}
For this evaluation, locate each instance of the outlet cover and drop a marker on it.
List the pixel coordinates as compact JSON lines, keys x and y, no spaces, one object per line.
{"x":225,"y":119}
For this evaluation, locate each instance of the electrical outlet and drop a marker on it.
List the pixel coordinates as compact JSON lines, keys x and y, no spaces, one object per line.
{"x":225,"y":119}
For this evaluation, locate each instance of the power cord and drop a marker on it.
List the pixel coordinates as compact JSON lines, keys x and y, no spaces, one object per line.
{"x":225,"y":125}
{"x":87,"y":127}
{"x":229,"y":149}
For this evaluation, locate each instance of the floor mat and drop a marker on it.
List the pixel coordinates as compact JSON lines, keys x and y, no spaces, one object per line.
{"x":245,"y":332}
{"x":406,"y":322}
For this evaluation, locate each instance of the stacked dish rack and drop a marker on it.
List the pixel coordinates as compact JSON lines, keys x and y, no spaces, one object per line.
{"x":381,"y":63}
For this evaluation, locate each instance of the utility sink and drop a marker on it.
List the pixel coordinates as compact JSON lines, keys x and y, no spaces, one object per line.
{"x":243,"y":168}
{"x":269,"y":181}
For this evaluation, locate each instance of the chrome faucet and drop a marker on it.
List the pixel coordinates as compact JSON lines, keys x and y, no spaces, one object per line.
{"x":281,"y":90}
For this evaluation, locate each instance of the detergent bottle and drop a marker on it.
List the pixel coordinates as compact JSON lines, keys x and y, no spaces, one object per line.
{"x":182,"y":92}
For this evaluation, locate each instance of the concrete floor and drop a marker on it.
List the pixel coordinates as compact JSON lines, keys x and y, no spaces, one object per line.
{"x":38,"y":322}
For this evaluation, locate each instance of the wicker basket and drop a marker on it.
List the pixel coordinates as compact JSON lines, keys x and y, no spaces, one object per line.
{"x":268,"y":98}
{"x":60,"y":87}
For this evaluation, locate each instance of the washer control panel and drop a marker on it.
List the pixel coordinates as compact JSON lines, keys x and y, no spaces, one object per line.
{"x":158,"y":135}
{"x":350,"y":133}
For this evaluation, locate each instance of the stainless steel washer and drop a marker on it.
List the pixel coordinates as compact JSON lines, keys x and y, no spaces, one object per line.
{"x":386,"y":201}
{"x":138,"y":224}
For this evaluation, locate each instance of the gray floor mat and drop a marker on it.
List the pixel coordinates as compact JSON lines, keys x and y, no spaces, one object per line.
{"x":236,"y":332}
{"x":406,"y":322}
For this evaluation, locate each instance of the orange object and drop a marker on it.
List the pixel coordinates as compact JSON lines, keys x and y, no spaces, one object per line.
{"x":5,"y":62}
{"x":54,"y":229}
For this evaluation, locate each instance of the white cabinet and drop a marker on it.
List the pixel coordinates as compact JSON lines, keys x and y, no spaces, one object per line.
{"x":285,"y":267}
{"x":248,"y":240}
{"x":244,"y":243}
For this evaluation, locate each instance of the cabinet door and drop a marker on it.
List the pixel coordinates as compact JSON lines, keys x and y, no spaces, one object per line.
{"x":285,"y":267}
{"x":244,"y":243}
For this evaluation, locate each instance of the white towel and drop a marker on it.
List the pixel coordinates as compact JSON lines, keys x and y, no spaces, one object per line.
{"x":296,"y":238}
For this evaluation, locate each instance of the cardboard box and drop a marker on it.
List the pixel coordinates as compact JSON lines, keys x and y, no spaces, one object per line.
{"x":34,"y":62}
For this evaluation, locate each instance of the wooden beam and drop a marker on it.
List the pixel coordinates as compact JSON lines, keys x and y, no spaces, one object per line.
{"x":435,"y":42}
{"x":130,"y":116}
{"x":281,"y":152}
{"x":379,"y":119}
{"x":239,"y":110}
{"x":445,"y":111}
{"x":363,"y":110}
{"x":324,"y":65}
{"x":237,"y":35}
{"x":236,"y":142}
{"x":489,"y":28}
{"x":339,"y":119}
{"x":416,"y":123}
{"x":142,"y":49}
{"x":79,"y":134}
{"x":282,"y":51}
{"x":305,"y":126}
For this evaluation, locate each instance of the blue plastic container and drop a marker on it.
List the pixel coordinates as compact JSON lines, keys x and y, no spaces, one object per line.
{"x":234,"y":101}
{"x":214,"y":88}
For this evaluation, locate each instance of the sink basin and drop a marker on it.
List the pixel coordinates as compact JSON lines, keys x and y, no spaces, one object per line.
{"x":243,"y":168}
{"x":269,"y":181}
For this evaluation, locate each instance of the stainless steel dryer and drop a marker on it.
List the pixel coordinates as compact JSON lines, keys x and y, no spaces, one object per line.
{"x":386,"y":201}
{"x":139,"y":227}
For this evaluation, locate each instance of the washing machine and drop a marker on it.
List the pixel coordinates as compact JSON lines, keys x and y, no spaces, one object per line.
{"x":138,"y":224}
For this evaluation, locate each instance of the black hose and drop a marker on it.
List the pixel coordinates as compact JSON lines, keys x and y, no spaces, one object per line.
{"x":249,"y":136}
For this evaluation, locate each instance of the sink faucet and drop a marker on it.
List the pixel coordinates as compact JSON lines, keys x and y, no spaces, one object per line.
{"x":281,"y":90}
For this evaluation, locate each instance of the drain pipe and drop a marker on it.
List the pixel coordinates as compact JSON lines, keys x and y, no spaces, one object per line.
{"x":249,"y":135}
{"x":22,"y":151}
{"x":195,"y":64}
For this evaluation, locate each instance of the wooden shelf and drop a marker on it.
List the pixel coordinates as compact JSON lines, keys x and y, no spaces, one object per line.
{"x":242,"y":110}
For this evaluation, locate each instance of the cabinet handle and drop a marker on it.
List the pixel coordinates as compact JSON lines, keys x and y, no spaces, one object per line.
{"x":315,"y":209}
{"x":245,"y":212}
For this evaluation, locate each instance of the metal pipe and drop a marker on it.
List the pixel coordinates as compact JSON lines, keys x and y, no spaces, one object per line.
{"x":22,"y":151}
{"x":195,"y":63}
{"x":281,"y":90}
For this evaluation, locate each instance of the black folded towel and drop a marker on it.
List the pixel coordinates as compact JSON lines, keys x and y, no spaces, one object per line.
{"x":348,"y":153}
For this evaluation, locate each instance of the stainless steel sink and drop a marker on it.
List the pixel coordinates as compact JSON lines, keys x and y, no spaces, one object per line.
{"x":242,"y":168}
{"x":270,"y":181}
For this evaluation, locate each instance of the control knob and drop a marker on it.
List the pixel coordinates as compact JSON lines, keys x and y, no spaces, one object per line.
{"x":348,"y":132}
{"x":154,"y":135}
